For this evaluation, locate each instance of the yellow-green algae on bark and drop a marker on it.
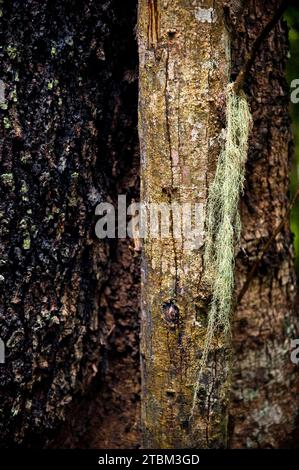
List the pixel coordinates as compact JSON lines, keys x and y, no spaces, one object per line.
{"x":184,"y":71}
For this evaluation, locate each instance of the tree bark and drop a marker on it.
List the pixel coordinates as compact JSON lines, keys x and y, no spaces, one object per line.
{"x":183,"y":77}
{"x":265,"y":384}
{"x":68,"y":302}
{"x":184,"y":70}
{"x":67,"y":140}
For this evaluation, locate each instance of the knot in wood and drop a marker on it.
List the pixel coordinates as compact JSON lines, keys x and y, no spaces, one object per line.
{"x":170,"y":313}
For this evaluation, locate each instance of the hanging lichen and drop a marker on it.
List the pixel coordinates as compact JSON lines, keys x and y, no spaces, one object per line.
{"x":223,"y":221}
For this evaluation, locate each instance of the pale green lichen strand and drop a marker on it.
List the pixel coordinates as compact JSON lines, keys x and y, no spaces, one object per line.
{"x":223,"y":224}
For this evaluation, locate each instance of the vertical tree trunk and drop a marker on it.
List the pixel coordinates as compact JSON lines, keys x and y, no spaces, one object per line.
{"x":184,"y":70}
{"x":68,"y":303}
{"x":64,"y":137}
{"x":183,"y":77}
{"x":265,"y":383}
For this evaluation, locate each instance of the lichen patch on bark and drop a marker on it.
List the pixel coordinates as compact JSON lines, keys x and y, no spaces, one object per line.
{"x":179,"y":136}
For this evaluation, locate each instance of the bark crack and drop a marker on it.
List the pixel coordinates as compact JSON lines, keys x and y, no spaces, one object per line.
{"x":153,"y":31}
{"x":172,"y":188}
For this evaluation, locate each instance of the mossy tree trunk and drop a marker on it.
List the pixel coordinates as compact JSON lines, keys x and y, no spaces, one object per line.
{"x":67,"y":141}
{"x":183,"y":76}
{"x":184,"y":71}
{"x":69,"y":302}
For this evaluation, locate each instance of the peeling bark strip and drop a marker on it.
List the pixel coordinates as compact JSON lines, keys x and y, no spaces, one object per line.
{"x":153,"y":22}
{"x":182,"y":80}
{"x":205,"y":14}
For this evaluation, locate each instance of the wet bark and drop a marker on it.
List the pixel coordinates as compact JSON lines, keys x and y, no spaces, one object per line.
{"x":64,"y":138}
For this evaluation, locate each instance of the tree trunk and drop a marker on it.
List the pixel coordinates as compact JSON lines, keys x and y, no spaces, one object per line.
{"x":184,"y":70}
{"x":265,"y":383}
{"x":183,"y":75}
{"x":68,"y":138}
{"x":69,"y":302}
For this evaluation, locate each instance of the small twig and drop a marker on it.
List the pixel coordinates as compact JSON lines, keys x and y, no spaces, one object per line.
{"x":250,"y":59}
{"x":110,"y":332}
{"x":265,"y":249}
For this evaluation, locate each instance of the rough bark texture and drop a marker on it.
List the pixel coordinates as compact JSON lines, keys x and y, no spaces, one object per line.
{"x":69,"y":303}
{"x":184,"y":70}
{"x":109,"y":415}
{"x":264,"y":408}
{"x":65,"y":76}
{"x":265,"y":382}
